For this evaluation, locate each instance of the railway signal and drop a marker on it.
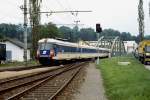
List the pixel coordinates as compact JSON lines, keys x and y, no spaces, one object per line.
{"x":98,"y":28}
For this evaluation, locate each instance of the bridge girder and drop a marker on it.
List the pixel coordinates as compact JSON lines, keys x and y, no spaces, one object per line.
{"x":115,"y":44}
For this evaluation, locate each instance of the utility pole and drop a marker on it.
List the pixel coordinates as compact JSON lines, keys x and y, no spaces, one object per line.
{"x":141,"y":19}
{"x":25,"y":32}
{"x":77,"y":22}
{"x":76,"y":29}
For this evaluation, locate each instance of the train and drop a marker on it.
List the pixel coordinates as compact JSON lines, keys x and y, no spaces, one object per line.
{"x":52,"y":50}
{"x":2,"y":52}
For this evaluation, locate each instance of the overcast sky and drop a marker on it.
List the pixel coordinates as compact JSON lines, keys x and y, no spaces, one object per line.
{"x":117,"y":14}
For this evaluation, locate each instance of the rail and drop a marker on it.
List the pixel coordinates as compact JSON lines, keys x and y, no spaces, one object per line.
{"x":25,"y":87}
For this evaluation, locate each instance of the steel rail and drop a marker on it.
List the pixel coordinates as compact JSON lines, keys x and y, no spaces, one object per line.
{"x":20,"y":94}
{"x":28,"y":79}
{"x":20,"y":68}
{"x":55,"y":94}
{"x":27,"y":75}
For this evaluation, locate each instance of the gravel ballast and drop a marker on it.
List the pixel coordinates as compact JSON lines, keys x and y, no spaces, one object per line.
{"x":87,"y":85}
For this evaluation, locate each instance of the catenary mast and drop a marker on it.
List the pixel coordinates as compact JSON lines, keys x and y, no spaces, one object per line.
{"x":141,"y":19}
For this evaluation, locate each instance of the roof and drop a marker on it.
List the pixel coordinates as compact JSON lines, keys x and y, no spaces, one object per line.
{"x":16,"y":42}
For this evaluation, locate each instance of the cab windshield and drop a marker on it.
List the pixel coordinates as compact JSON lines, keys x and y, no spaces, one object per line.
{"x":45,"y":46}
{"x":147,"y":48}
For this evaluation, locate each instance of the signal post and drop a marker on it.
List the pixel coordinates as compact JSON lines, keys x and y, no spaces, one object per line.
{"x":98,"y":31}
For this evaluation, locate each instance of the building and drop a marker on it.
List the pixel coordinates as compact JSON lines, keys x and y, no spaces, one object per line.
{"x":130,"y":46}
{"x":15,"y":50}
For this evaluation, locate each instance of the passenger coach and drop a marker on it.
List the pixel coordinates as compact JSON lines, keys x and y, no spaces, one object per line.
{"x":50,"y":50}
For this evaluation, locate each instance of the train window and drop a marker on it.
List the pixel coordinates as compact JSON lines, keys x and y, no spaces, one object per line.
{"x":65,"y":48}
{"x":41,"y":46}
{"x":48,"y":46}
{"x":59,"y":48}
{"x":147,"y":48}
{"x":68,"y":49}
{"x":72,"y":49}
{"x":45,"y":46}
{"x":77,"y":49}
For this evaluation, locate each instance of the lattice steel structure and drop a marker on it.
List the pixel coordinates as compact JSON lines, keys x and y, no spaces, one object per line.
{"x":115,"y":44}
{"x":141,"y":19}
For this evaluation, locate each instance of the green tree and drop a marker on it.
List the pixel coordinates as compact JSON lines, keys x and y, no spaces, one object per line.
{"x":110,"y":32}
{"x":1,"y":36}
{"x":87,"y":34}
{"x":11,"y":30}
{"x":49,"y":31}
{"x":75,"y":34}
{"x":66,"y":33}
{"x":126,"y":36}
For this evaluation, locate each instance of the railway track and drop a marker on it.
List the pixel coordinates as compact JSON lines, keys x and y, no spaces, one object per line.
{"x":42,"y":86}
{"x":20,"y":68}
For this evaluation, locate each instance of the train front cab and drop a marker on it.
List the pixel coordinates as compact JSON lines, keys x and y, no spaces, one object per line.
{"x":146,"y":55}
{"x":45,"y":53}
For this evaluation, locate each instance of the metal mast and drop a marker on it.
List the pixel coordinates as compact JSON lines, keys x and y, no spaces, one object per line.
{"x":149,"y":8}
{"x":25,"y":32}
{"x":141,"y":20}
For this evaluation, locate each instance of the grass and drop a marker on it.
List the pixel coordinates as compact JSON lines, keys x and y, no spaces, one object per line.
{"x":131,"y":82}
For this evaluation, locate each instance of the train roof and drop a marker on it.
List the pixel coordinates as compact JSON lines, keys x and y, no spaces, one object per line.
{"x":54,"y":41}
{"x":65,"y":43}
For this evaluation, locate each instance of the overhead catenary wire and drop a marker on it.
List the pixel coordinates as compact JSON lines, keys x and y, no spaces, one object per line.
{"x":59,"y":4}
{"x":73,"y":15}
{"x":66,"y":10}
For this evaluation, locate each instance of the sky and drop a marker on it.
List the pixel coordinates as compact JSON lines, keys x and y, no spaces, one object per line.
{"x":120,"y":15}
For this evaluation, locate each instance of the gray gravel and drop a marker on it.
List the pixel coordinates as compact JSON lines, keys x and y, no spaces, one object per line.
{"x":88,"y":85}
{"x":92,"y":88}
